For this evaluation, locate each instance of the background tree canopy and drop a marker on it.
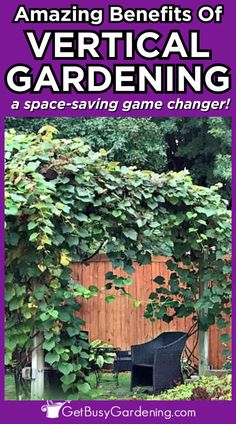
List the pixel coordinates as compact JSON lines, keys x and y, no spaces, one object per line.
{"x":203,"y":146}
{"x":200,"y":145}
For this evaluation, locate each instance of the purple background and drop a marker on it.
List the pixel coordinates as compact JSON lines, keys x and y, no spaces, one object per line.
{"x":218,"y":37}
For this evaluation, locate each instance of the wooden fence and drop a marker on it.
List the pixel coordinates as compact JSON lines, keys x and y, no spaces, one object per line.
{"x":122,"y":325}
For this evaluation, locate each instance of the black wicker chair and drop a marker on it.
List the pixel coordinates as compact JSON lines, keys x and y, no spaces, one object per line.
{"x":122,"y":362}
{"x":157,"y":363}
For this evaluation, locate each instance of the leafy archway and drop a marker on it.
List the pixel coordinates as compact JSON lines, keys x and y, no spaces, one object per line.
{"x":65,"y":202}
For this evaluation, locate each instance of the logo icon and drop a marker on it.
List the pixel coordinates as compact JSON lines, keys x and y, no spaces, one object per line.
{"x":52,"y":409}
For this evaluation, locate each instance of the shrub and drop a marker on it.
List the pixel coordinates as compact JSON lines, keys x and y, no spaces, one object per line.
{"x":206,"y":388}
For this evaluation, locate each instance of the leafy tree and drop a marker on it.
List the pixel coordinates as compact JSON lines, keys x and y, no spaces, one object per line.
{"x":201,"y":145}
{"x":66,"y":202}
{"x":131,"y":141}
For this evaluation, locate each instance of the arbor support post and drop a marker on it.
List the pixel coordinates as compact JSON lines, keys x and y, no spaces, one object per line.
{"x":37,"y":368}
{"x":203,"y":342}
{"x":203,"y":352}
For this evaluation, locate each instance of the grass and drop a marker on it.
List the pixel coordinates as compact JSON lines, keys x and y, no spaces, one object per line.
{"x":10,"y":392}
{"x":204,"y":389}
{"x":107,"y":389}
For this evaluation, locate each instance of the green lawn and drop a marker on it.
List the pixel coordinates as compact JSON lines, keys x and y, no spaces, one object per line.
{"x":9,"y":387}
{"x":205,"y":388}
{"x":107,"y":388}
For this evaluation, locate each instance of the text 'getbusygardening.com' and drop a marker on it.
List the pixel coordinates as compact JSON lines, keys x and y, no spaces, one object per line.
{"x":67,"y":411}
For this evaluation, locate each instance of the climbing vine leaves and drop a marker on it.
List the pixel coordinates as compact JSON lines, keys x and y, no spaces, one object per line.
{"x":66,"y":203}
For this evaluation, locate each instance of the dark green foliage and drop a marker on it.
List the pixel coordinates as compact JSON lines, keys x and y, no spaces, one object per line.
{"x":200,"y":145}
{"x":131,"y":141}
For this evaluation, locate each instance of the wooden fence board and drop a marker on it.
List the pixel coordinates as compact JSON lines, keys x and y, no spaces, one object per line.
{"x":122,"y":325}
